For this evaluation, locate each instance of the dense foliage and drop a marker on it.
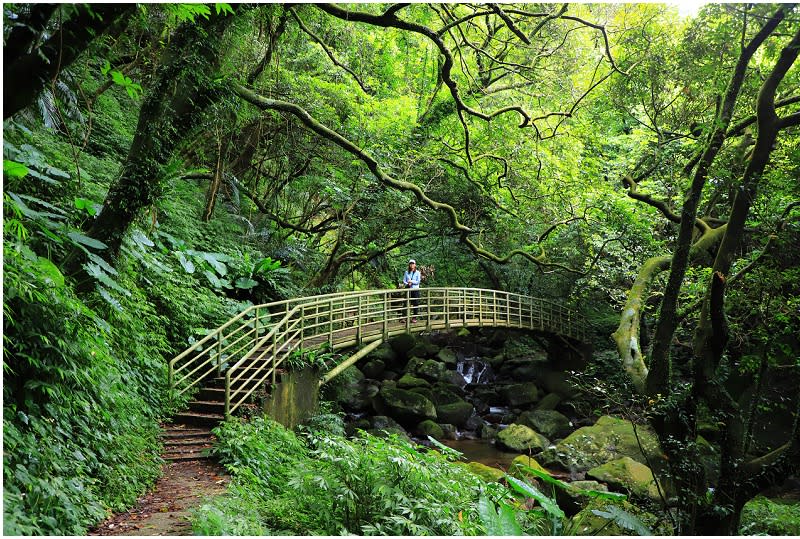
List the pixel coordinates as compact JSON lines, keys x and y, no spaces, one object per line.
{"x":166,"y":166}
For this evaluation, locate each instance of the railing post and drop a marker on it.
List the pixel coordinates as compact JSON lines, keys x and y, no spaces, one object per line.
{"x":219,"y":353}
{"x":227,"y":395}
{"x":386,"y":301}
{"x":330,"y":322}
{"x":359,"y":335}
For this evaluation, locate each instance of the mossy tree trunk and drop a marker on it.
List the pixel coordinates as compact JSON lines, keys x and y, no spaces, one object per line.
{"x":184,"y":87}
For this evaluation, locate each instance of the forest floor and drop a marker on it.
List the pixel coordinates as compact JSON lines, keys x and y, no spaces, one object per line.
{"x":184,"y":485}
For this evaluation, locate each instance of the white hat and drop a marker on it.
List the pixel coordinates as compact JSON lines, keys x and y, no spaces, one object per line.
{"x":412,"y":261}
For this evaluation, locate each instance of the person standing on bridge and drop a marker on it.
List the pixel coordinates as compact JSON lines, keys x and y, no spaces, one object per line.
{"x":411,"y":279}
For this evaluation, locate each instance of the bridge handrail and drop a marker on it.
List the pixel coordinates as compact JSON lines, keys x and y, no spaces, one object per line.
{"x":371,"y":314}
{"x":263,"y":313}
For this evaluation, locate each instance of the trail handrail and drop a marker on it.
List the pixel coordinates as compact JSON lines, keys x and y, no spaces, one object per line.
{"x":268,"y":334}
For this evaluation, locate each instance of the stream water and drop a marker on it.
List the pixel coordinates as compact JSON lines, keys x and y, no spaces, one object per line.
{"x":477,"y":372}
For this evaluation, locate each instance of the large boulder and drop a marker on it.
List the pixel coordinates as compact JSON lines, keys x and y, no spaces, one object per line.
{"x":608,"y":439}
{"x":489,"y":474}
{"x":549,"y":423}
{"x":559,"y":382}
{"x":383,"y":426}
{"x":488,"y":394}
{"x":424,"y":349}
{"x":402,"y":344}
{"x":521,"y":438}
{"x":407,"y":407}
{"x":374,"y":369}
{"x":517,"y":469}
{"x":433,"y":370}
{"x":521,"y":394}
{"x":457,"y":413}
{"x":445,"y":394}
{"x":447,"y":356}
{"x":409,"y":381}
{"x":429,"y":428}
{"x":549,"y":402}
{"x":572,"y":500}
{"x":384,"y":353}
{"x":351,"y":394}
{"x":627,"y":474}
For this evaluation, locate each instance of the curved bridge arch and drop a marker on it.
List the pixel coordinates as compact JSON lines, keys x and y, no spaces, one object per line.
{"x":249,"y":349}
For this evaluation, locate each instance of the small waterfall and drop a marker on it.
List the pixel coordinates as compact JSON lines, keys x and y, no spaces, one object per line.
{"x":474,"y":370}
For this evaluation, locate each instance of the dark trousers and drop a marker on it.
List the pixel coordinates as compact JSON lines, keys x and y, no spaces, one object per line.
{"x":414,"y":296}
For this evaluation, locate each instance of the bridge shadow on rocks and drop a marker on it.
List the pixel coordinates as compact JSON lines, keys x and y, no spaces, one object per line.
{"x":465,"y":384}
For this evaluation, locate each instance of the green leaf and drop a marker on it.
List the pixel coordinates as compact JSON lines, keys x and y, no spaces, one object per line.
{"x":141,"y":239}
{"x":87,"y":205}
{"x":77,"y":237}
{"x":623,"y":519}
{"x":188,"y":265}
{"x":547,"y":503}
{"x":223,"y":8}
{"x":50,"y":271}
{"x":502,"y":522}
{"x":214,"y":260}
{"x":245,"y":283}
{"x":12,"y":169}
{"x":102,"y":263}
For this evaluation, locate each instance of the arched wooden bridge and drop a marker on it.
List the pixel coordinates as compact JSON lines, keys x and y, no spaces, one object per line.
{"x":246,"y":352}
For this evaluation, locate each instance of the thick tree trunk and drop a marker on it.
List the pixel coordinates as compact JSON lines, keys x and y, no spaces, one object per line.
{"x":183,"y":89}
{"x":32,"y":70}
{"x":659,"y":379}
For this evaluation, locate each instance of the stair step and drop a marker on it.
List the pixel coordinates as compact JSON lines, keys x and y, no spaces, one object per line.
{"x":186,"y":455}
{"x":200,"y":418}
{"x":215,"y":407}
{"x":207,"y":441}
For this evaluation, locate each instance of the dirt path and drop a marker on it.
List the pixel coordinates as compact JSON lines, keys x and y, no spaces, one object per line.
{"x":164,"y":511}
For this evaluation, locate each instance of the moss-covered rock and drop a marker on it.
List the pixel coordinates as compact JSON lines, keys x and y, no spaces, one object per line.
{"x":409,"y":381}
{"x":516,"y":467}
{"x":374,"y":369}
{"x":627,"y":474}
{"x":429,"y":428}
{"x":447,"y":356}
{"x":405,"y":406}
{"x":445,"y":394}
{"x":457,"y":413}
{"x":608,"y":439}
{"x":521,"y":394}
{"x":521,"y":438}
{"x":450,"y":431}
{"x":433,"y":370}
{"x":549,"y":402}
{"x":549,"y":423}
{"x":384,"y":353}
{"x":587,"y":522}
{"x":350,"y":392}
{"x":424,"y":349}
{"x":573,"y":499}
{"x":401,"y":344}
{"x":489,"y":474}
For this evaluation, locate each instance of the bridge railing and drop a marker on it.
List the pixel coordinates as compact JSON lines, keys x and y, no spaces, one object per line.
{"x":226,"y":344}
{"x":347,"y":319}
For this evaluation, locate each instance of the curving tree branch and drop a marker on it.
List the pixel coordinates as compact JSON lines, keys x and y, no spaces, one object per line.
{"x":464,"y":231}
{"x":366,"y":88}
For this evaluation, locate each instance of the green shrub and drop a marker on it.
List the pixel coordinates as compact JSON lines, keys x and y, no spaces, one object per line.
{"x":330,"y":485}
{"x":762,"y":516}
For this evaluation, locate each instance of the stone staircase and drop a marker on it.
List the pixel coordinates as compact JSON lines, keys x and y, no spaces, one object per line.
{"x":185,"y":442}
{"x":208,"y":408}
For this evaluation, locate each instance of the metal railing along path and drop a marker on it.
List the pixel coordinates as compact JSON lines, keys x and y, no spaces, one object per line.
{"x":251,"y":347}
